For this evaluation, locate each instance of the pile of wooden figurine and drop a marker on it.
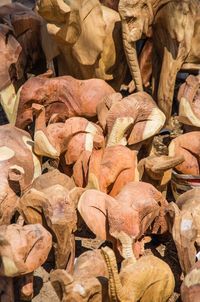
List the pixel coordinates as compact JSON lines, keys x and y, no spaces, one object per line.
{"x":100,"y":141}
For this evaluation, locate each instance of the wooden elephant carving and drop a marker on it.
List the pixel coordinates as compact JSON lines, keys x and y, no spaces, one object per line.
{"x":135,"y":211}
{"x":176,"y":35}
{"x":190,"y":287}
{"x":136,"y":17}
{"x":22,"y":250}
{"x":156,"y":170}
{"x":89,"y":281}
{"x":174,"y":28}
{"x":107,"y":170}
{"x":187,"y":145}
{"x":129,"y":120}
{"x":185,"y":175}
{"x":50,"y":204}
{"x":64,"y":96}
{"x":19,"y":167}
{"x":148,"y":279}
{"x":21,"y":52}
{"x":88,"y":38}
{"x":70,"y":139}
{"x":189,"y":98}
{"x":184,"y":217}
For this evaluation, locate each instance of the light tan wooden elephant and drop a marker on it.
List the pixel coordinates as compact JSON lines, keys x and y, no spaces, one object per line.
{"x":87,"y":36}
{"x":148,"y":279}
{"x":175,"y":29}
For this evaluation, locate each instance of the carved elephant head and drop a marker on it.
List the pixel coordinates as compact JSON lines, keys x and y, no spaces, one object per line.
{"x":176,"y":39}
{"x":49,"y":202}
{"x":157,"y":170}
{"x":147,"y":279}
{"x":137,"y":17}
{"x":187,"y":145}
{"x":86,"y":51}
{"x":185,"y":175}
{"x":21,"y":52}
{"x":184,"y":222}
{"x":125,"y":218}
{"x":107,"y":170}
{"x":19,"y":167}
{"x":190,"y":287}
{"x":62,"y":96}
{"x":72,"y":30}
{"x":189,"y":98}
{"x":70,"y":139}
{"x":22,"y":250}
{"x":52,"y":207}
{"x":88,"y":282}
{"x":130,"y":120}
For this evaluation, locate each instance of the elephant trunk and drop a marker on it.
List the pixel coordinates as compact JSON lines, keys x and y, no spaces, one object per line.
{"x":127,"y":250}
{"x":165,"y":163}
{"x":131,"y":55}
{"x":42,"y":142}
{"x":117,"y":134}
{"x":117,"y":293}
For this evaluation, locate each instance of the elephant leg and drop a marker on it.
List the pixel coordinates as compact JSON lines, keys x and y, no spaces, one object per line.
{"x":171,"y":64}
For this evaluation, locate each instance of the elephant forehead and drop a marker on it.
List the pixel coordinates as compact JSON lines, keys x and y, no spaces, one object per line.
{"x":6,"y":153}
{"x":17,"y":239}
{"x":124,"y":219}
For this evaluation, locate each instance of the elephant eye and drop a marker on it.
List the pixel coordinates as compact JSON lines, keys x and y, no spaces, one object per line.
{"x":144,"y":6}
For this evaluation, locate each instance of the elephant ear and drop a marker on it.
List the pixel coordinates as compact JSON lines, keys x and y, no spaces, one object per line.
{"x":90,"y":42}
{"x":92,"y":207}
{"x":31,"y":206}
